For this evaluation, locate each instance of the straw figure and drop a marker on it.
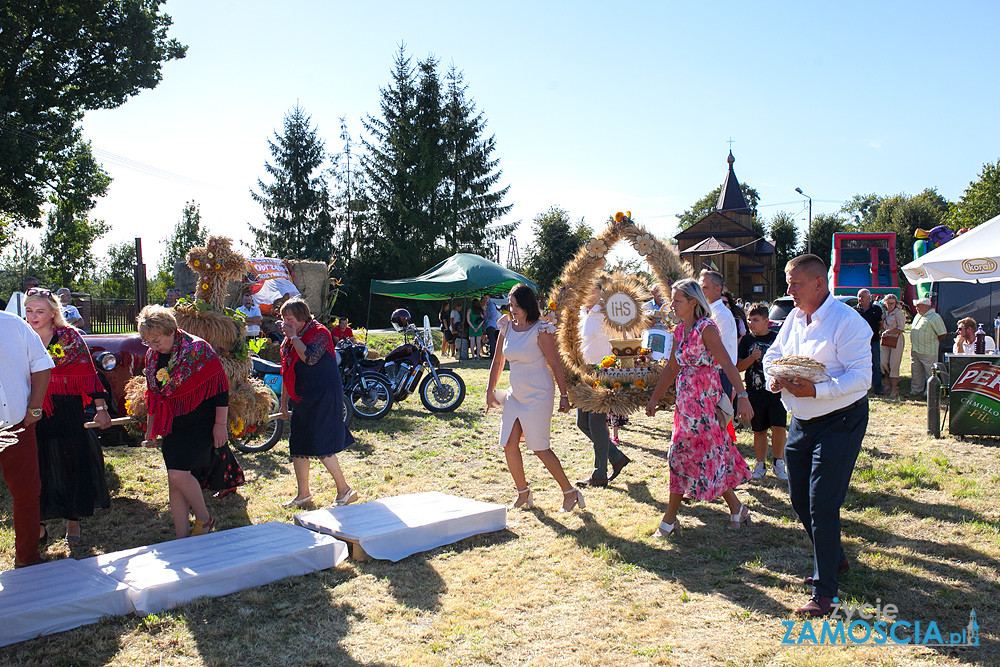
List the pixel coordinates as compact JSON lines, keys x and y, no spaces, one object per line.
{"x":589,"y":389}
{"x":208,"y":318}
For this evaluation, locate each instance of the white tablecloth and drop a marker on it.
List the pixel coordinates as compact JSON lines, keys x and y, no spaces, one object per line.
{"x":165,"y":575}
{"x":56,"y":596}
{"x":394,"y":528}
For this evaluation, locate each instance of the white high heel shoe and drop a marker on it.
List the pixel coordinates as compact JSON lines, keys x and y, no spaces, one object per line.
{"x":578,"y":501}
{"x":528,"y":501}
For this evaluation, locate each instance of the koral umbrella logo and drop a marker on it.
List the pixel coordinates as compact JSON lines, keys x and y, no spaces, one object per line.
{"x":979,"y":266}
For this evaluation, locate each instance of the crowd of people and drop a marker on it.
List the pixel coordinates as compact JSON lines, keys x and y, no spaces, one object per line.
{"x":719,"y":361}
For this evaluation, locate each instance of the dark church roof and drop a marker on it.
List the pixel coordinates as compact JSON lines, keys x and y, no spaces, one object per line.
{"x":731,"y":198}
{"x":711,"y":244}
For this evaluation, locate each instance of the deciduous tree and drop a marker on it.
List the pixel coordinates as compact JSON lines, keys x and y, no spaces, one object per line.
{"x":555,"y":242}
{"x":69,"y":232}
{"x":785,"y":237}
{"x":824,"y":226}
{"x":980,"y":201}
{"x":58,"y":60}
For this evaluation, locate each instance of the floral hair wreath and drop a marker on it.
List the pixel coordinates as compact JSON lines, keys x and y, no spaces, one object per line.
{"x":570,"y":294}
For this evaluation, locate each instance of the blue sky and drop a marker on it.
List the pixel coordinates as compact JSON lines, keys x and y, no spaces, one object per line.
{"x":595,"y":108}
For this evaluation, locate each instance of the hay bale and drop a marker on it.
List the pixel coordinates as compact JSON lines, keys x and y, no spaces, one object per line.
{"x":311,"y":279}
{"x":249,"y":404}
{"x":237,"y":370}
{"x":217,"y":328}
{"x":135,"y":398}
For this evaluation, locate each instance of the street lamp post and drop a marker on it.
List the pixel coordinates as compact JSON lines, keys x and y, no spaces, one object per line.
{"x":809,"y":233}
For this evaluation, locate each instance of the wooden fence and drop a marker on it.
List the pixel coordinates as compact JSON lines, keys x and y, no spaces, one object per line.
{"x":111,"y":316}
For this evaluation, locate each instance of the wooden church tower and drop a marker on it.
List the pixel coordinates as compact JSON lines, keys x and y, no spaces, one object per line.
{"x":725,"y":241}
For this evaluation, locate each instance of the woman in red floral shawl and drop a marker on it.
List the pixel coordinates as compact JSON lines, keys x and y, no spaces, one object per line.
{"x":187,"y":398}
{"x":310,"y":379}
{"x":70,"y":462}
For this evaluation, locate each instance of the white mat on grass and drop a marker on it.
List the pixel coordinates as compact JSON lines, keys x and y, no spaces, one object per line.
{"x":56,"y":596}
{"x":165,"y":575}
{"x":394,"y":528}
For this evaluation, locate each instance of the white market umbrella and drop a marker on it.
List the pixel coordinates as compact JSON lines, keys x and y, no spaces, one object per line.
{"x":971,"y":257}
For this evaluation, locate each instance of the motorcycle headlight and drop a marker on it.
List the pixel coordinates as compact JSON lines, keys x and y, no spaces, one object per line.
{"x":106,"y":361}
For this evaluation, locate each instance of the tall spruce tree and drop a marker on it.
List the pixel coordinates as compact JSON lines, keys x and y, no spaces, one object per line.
{"x":299,"y":220}
{"x":472,"y":206}
{"x":390,"y":163}
{"x":430,"y":176}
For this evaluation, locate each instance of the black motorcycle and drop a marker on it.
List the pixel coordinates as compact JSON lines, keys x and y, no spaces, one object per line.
{"x":413,"y":367}
{"x":367,"y":391}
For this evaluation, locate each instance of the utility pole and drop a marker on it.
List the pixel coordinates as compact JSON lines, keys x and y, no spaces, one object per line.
{"x":809,"y":233}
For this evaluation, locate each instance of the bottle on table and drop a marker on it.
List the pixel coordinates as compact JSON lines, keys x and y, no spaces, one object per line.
{"x":980,"y":344}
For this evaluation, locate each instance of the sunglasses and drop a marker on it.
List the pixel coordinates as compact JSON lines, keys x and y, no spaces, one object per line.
{"x":35,"y":291}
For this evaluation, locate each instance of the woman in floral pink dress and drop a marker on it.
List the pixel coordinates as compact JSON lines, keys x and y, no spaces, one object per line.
{"x":704,"y":462}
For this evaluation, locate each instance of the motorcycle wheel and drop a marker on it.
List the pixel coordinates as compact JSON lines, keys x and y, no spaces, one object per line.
{"x":370,"y":396}
{"x":446,"y":397}
{"x":266,"y":439}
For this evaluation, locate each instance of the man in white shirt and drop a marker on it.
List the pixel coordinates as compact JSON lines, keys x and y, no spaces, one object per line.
{"x":251,"y":316}
{"x":596,"y":345}
{"x":712,"y":285}
{"x":829,"y":418}
{"x":24,"y":377}
{"x":70,"y":312}
{"x":965,"y":341}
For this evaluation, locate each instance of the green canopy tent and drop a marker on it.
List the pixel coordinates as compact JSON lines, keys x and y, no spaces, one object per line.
{"x":462,"y":275}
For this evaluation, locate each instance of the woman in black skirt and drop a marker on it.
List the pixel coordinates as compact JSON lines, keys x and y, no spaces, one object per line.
{"x":70,"y":462}
{"x":187,"y":396}
{"x":311,"y":384}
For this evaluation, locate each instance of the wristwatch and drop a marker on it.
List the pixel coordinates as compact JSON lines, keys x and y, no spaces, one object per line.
{"x":742,"y":395}
{"x":35,"y":412}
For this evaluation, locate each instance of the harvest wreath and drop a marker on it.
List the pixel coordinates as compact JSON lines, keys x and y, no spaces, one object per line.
{"x":616,"y":385}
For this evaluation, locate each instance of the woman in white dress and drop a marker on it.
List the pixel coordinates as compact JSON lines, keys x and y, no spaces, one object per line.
{"x":526,"y":341}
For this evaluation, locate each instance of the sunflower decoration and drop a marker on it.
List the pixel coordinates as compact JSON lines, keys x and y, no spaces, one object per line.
{"x":596,"y":248}
{"x":57,"y":351}
{"x":238,"y":428}
{"x":163,"y":376}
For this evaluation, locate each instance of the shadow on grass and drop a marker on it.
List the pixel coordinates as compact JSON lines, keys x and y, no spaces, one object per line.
{"x":295,"y":621}
{"x":414,"y":581}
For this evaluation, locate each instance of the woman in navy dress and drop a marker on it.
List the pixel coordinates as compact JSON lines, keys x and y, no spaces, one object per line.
{"x":311,"y":384}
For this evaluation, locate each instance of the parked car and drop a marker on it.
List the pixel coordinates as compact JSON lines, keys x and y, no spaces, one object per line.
{"x":783,"y":305}
{"x":118,"y":357}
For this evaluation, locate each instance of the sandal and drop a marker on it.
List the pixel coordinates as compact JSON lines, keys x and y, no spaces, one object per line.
{"x":578,"y":501}
{"x":663,"y":533}
{"x":346,"y":498}
{"x":297,"y":502}
{"x":203,"y":527}
{"x":743,"y":520}
{"x":527,"y":503}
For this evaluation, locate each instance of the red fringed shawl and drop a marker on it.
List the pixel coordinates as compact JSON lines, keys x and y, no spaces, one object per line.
{"x":311,"y":332}
{"x":74,"y":373}
{"x":193,"y":375}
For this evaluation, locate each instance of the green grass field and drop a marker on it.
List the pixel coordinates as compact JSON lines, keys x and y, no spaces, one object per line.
{"x":921,"y":527}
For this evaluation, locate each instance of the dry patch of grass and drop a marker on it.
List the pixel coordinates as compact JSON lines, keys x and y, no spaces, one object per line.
{"x":921,"y":526}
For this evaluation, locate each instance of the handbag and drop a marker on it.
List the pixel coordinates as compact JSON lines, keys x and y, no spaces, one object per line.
{"x":889,"y":340}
